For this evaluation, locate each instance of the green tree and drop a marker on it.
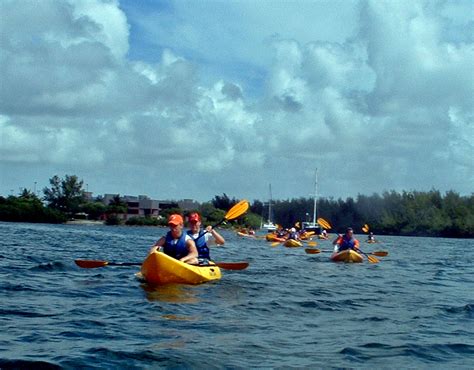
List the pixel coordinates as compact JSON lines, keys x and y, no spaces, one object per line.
{"x":116,"y":205}
{"x":65,"y":195}
{"x":94,"y":209}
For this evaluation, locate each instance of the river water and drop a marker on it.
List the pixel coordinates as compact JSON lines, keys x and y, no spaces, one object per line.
{"x":414,"y":309}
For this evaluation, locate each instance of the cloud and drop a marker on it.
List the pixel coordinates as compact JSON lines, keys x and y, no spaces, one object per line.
{"x":376,"y":102}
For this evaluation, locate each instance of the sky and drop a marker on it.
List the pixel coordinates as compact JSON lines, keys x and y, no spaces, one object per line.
{"x":193,"y":99}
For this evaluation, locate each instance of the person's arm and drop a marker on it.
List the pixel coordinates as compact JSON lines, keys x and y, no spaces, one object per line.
{"x":192,"y":255}
{"x":356,"y":244}
{"x":159,"y":243}
{"x":337,"y":240}
{"x":217,"y":237}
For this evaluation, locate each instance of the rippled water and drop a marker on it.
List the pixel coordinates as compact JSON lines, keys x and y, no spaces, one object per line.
{"x":413,"y":309}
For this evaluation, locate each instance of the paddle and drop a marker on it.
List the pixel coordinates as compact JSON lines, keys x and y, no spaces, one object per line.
{"x":324,"y":223}
{"x":371,"y":259}
{"x":90,"y":264}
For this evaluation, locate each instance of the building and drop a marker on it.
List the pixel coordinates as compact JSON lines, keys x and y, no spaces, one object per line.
{"x":140,"y":206}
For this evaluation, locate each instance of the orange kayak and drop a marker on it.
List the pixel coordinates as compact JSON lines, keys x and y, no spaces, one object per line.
{"x":273,"y":238}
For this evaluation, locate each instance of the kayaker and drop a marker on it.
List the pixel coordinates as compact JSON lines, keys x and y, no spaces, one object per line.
{"x":346,"y":241}
{"x":203,"y":241}
{"x":293,"y":234}
{"x":371,"y":237}
{"x":176,"y":243}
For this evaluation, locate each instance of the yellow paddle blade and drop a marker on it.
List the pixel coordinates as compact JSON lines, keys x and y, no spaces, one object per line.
{"x":380,"y":253}
{"x":324,"y":223}
{"x":365,"y":230}
{"x":312,"y":250}
{"x":237,"y":210}
{"x":372,"y":259}
{"x":90,"y":264}
{"x":312,"y":244}
{"x":297,"y":225}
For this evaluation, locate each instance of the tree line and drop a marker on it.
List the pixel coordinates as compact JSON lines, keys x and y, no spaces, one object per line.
{"x":414,"y":213}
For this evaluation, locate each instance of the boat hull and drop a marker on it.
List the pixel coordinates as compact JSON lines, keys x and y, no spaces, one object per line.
{"x":348,"y":256}
{"x":273,"y":238}
{"x":159,"y":268}
{"x":244,"y":235}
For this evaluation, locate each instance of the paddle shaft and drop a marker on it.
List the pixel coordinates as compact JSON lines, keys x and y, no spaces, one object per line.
{"x":98,"y":263}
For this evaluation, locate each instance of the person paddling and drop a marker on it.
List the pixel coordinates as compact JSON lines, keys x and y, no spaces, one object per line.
{"x":176,"y":243}
{"x":346,"y":241}
{"x":203,"y":241}
{"x":371,"y":237}
{"x":293,"y":234}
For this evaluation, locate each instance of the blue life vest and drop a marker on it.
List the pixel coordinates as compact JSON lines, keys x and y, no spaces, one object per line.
{"x":346,"y":244}
{"x":201,"y":245}
{"x":293,"y":236}
{"x":175,"y":249}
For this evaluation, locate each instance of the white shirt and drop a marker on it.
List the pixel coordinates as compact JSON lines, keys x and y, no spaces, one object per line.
{"x":210,"y":240}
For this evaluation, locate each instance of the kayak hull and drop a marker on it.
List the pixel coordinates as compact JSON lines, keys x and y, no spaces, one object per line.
{"x":291,"y":243}
{"x":159,"y":268}
{"x":273,"y":238}
{"x":245,"y":235}
{"x":348,"y":256}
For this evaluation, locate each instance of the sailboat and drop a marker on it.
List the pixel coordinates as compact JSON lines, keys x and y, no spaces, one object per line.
{"x":269,"y":225}
{"x":313,"y":225}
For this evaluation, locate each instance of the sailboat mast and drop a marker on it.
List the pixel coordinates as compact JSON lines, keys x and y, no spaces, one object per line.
{"x":270,"y":205}
{"x":315,"y":195}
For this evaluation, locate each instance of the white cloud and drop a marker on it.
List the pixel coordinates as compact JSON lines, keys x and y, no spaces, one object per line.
{"x":377,"y":109}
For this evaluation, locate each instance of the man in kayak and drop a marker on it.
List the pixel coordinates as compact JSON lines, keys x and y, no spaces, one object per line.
{"x":293,"y":234}
{"x":203,"y":238}
{"x":176,"y":243}
{"x":371,"y":238}
{"x":346,"y":241}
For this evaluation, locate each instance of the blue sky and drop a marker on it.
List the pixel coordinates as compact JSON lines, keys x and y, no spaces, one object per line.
{"x":191,"y":99}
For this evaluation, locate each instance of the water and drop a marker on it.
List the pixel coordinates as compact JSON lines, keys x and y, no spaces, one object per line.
{"x":413,"y":309}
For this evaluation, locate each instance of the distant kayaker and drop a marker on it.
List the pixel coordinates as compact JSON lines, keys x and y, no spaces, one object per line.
{"x":346,"y":241}
{"x":324,"y":234}
{"x":203,"y":241}
{"x":371,"y":237}
{"x":293,"y":234}
{"x":176,"y":243}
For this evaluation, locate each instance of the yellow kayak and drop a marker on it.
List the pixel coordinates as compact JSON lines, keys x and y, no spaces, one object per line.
{"x":292,"y":243}
{"x":159,"y":268}
{"x":347,"y":255}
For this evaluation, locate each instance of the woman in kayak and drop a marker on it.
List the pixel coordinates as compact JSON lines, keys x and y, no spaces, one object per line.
{"x":346,"y":241}
{"x":176,"y":243}
{"x":203,"y":238}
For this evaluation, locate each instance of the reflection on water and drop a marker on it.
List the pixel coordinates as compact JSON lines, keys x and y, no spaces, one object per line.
{"x":170,"y":293}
